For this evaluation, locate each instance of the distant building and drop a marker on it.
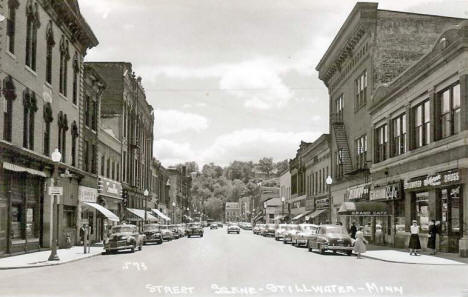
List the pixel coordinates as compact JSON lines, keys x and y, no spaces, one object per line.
{"x":232,"y":212}
{"x":272,"y":208}
{"x":285,"y":190}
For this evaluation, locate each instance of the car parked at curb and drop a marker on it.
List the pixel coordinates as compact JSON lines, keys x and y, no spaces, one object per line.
{"x":331,"y":238}
{"x":194,"y":229}
{"x":306,"y":232}
{"x":269,"y":230}
{"x":152,"y":233}
{"x":213,"y":226}
{"x":291,"y":229}
{"x":233,"y":228}
{"x":256,"y":229}
{"x":167,"y":233}
{"x":124,"y":237}
{"x":279,"y":233}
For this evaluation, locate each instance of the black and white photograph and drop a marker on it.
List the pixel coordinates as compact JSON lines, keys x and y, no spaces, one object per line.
{"x":203,"y":148}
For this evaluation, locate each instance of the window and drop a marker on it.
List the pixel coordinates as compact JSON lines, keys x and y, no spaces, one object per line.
{"x":361,"y":90}
{"x":74,"y":138}
{"x":86,"y":156}
{"x":76,"y":70}
{"x":381,"y":135}
{"x":103,"y":161}
{"x":118,"y":172}
{"x":422,"y":210}
{"x":50,"y":45}
{"x":87,"y":105}
{"x":94,"y":111}
{"x":9,"y":92}
{"x":93,"y":159}
{"x":108,"y":168}
{"x":64,"y":57}
{"x":361,"y":152}
{"x":11,"y":24}
{"x":422,"y":124}
{"x":113,"y":170}
{"x":29,"y":110}
{"x":339,"y":108}
{"x":62,"y":134}
{"x":399,"y":135}
{"x":48,"y":118}
{"x":32,"y":23}
{"x":450,"y":111}
{"x":124,"y":167}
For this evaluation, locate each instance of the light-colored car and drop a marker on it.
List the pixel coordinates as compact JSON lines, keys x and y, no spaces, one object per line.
{"x":167,"y":233}
{"x":331,"y":238}
{"x":124,"y":237}
{"x":256,"y":229}
{"x":279,"y":233}
{"x":292,"y":229}
{"x":233,"y":228}
{"x":269,"y":230}
{"x":306,"y":232}
{"x":152,"y":233}
{"x":194,"y":229}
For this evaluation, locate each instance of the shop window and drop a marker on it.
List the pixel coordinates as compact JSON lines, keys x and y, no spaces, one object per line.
{"x":381,"y":134}
{"x":422,"y":210}
{"x":32,"y":228}
{"x":422,"y":124}
{"x":69,"y":216}
{"x":449,"y":101}
{"x":17,"y":220}
{"x":451,"y":211}
{"x":399,"y":135}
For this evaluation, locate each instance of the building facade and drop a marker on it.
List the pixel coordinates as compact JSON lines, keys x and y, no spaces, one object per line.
{"x":232,"y":212}
{"x":285,"y":193}
{"x":41,"y":73}
{"x":180,"y":194}
{"x":297,"y":203}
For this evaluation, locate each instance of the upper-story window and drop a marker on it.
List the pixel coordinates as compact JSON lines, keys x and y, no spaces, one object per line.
{"x":74,"y":133}
{"x":29,"y":108}
{"x":62,"y":134}
{"x":32,"y":24}
{"x":87,"y":106}
{"x":9,"y":92}
{"x":93,"y":159}
{"x":399,"y":135}
{"x":76,"y":71}
{"x":449,"y":101}
{"x":422,"y":124}
{"x":361,"y":151}
{"x":48,"y":118}
{"x":361,"y":90}
{"x":381,"y":134}
{"x":339,"y":107}
{"x":85,"y":155}
{"x":50,"y":42}
{"x":11,"y":24}
{"x":63,"y":71}
{"x":339,"y":164}
{"x":103,"y":161}
{"x":94,"y":115}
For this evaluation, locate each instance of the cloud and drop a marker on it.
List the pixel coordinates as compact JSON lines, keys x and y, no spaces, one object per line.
{"x":171,"y":153}
{"x":173,"y":121}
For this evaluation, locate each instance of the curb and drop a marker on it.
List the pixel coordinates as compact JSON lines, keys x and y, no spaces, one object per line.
{"x":50,"y":264}
{"x":400,"y":262}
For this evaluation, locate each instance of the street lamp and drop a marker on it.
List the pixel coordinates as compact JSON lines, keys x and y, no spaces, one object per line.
{"x":173,"y":212}
{"x":188,"y":214}
{"x":146,"y":193}
{"x":56,"y":157}
{"x":329,"y":182}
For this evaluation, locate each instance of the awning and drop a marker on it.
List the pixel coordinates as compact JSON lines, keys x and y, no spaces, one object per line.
{"x":17,"y":168}
{"x":160,"y":214}
{"x":107,"y":213}
{"x":301,"y":215}
{"x":364,"y":208}
{"x":141,"y":214}
{"x":280,"y":217}
{"x":258,"y":217}
{"x":317,"y":213}
{"x":188,"y":218}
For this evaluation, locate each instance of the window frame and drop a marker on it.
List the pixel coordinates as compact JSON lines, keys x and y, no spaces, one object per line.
{"x":381,"y":137}
{"x":399,"y":134}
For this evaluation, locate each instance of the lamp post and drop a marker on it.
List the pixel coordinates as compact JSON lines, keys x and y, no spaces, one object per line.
{"x":173,"y":212}
{"x":56,"y":157}
{"x":188,"y":214}
{"x":282,"y":206}
{"x":329,"y":182}
{"x":146,"y":193}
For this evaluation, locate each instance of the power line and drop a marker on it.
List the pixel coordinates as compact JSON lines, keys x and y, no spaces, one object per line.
{"x":226,"y":90}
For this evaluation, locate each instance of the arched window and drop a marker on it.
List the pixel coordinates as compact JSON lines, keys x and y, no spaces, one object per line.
{"x":48,"y":118}
{"x":76,"y":71}
{"x":74,"y":133}
{"x":9,"y":91}
{"x":64,"y":57}
{"x":50,"y":45}
{"x":11,"y":24}
{"x":62,"y":134}
{"x":32,"y":24}
{"x":29,"y":108}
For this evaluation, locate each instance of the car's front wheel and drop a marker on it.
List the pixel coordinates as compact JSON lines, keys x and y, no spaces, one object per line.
{"x":322,"y":251}
{"x":132,"y":249}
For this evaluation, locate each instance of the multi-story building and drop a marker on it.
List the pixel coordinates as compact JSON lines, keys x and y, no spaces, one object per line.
{"x":420,"y":160}
{"x":373,"y":47}
{"x":179,"y":193}
{"x":297,"y":168}
{"x":245,"y":208}
{"x":232,"y":212}
{"x":160,"y":189}
{"x":272,"y":209}
{"x":285,"y":193}
{"x":41,"y":73}
{"x":125,"y":110}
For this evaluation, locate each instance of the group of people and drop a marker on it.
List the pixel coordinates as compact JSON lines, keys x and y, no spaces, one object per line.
{"x":414,"y":243}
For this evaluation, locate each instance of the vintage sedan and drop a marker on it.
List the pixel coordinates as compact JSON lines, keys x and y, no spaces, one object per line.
{"x":124,"y":237}
{"x":291,"y":229}
{"x":213,"y":226}
{"x":331,"y":238}
{"x":306,"y":232}
{"x":152,"y":233}
{"x":279,"y":233}
{"x":269,"y":230}
{"x":167,"y":233}
{"x":261,"y":229}
{"x":248,"y":226}
{"x":256,"y":229}
{"x":194,"y":229}
{"x":233,"y":228}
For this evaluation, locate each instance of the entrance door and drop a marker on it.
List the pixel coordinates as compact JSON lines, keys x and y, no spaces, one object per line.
{"x":3,"y":226}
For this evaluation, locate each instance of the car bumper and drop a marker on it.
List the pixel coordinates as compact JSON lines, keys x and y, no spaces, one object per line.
{"x":337,"y":247}
{"x":118,"y":247}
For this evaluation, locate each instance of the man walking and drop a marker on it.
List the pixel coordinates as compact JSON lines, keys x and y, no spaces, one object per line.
{"x":353,"y":230}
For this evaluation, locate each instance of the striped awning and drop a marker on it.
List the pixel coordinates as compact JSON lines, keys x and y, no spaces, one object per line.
{"x":140,"y":213}
{"x":301,"y":215}
{"x":160,"y":214}
{"x":17,"y":168}
{"x":107,"y":213}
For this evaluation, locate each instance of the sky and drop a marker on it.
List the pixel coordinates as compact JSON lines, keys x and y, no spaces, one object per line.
{"x":231,"y":79}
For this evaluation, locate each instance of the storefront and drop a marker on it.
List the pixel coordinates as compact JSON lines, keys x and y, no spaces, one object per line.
{"x":110,"y":197}
{"x":436,"y":197}
{"x":321,"y":215}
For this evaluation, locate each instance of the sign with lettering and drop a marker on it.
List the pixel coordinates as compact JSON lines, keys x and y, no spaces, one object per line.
{"x":87,"y":194}
{"x":108,"y":187}
{"x":322,"y":203}
{"x":428,"y":181}
{"x":55,"y":190}
{"x":388,"y":192}
{"x":360,"y":192}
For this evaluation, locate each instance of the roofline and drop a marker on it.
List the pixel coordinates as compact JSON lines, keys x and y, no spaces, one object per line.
{"x":423,"y":14}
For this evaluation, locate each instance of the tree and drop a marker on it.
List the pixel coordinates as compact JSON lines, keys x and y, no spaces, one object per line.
{"x":214,"y":208}
{"x":266,"y":165}
{"x":282,"y":166}
{"x":191,"y":166}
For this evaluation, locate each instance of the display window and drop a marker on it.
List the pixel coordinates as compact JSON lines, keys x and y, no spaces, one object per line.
{"x":422,"y":210}
{"x":451,"y":211}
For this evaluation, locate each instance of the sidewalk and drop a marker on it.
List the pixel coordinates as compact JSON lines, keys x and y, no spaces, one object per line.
{"x":39,"y":259}
{"x":402,"y":256}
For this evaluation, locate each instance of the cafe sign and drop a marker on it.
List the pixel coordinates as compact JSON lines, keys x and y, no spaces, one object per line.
{"x":360,"y":192}
{"x":110,"y":188}
{"x":388,"y":192}
{"x":87,"y":194}
{"x":322,"y":203}
{"x":428,"y":181}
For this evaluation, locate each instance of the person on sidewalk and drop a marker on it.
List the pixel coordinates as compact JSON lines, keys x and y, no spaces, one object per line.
{"x":414,"y":244}
{"x":360,"y":243}
{"x":431,"y":242}
{"x":353,"y":230}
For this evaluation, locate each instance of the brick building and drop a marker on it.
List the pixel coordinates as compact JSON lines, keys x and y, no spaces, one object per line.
{"x":41,"y":74}
{"x":232,"y":212}
{"x":160,"y":189}
{"x":179,"y":193}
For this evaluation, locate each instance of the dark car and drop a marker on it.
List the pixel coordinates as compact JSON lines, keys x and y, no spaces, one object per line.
{"x":124,"y":237}
{"x":233,"y":228}
{"x":152,"y":233}
{"x":331,"y":238}
{"x":220,"y":224}
{"x":194,"y":229}
{"x":175,"y":230}
{"x":269,"y":230}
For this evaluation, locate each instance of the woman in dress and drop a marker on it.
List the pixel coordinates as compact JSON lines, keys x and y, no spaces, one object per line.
{"x":414,"y":244}
{"x":431,"y":241}
{"x":360,"y":243}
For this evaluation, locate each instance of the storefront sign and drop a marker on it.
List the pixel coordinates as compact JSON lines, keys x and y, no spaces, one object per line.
{"x":111,"y":188}
{"x":360,"y":192}
{"x":87,"y":194}
{"x":322,"y":203}
{"x":428,"y":181}
{"x":55,"y":190}
{"x":389,"y":192}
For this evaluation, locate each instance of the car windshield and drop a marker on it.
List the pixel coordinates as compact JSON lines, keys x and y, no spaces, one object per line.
{"x":147,"y":228}
{"x":122,"y":229}
{"x":293,"y":227}
{"x":307,"y":228}
{"x":194,"y":225}
{"x":334,"y":229}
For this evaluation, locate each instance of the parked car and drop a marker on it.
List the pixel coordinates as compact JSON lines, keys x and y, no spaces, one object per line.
{"x":182,"y":229}
{"x":279,"y":232}
{"x":220,"y":225}
{"x":248,"y":226}
{"x":331,"y":238}
{"x":262,"y":228}
{"x":306,"y":232}
{"x":269,"y":230}
{"x":194,"y":229}
{"x":291,"y":229}
{"x":124,"y":237}
{"x":256,"y":229}
{"x":152,"y":233}
{"x":233,"y":228}
{"x":213,"y":226}
{"x":167,"y":233}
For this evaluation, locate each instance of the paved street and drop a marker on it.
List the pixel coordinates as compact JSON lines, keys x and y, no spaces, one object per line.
{"x":245,"y":262}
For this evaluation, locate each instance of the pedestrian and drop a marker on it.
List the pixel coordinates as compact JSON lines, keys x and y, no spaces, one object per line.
{"x":353,"y":230}
{"x":360,"y":243}
{"x":414,"y":244}
{"x":431,"y":241}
